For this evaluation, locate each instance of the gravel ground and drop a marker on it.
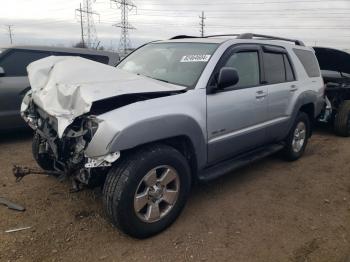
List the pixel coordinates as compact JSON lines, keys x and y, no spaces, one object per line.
{"x":269,"y":211}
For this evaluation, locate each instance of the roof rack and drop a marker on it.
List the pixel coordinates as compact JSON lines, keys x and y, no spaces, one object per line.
{"x":246,"y":36}
{"x":182,"y":37}
{"x":262,"y":37}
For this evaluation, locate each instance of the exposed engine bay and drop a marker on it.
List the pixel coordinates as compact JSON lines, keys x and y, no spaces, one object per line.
{"x":335,"y":68}
{"x":67,"y":153}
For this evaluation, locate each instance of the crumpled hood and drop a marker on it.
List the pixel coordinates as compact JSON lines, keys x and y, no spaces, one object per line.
{"x":66,"y":87}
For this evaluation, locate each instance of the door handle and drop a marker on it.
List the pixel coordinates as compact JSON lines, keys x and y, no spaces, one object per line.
{"x":293,"y":88}
{"x":261,"y":94}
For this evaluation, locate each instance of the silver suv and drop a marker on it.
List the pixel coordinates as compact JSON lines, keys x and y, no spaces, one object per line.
{"x":172,"y":113}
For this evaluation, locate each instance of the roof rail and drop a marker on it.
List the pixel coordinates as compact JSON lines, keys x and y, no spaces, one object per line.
{"x":263,"y":37}
{"x":182,"y":37}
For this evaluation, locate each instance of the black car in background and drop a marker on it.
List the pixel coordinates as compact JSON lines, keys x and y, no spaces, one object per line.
{"x":14,"y":82}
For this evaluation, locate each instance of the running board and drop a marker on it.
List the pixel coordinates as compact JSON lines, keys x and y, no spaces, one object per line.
{"x":230,"y":165}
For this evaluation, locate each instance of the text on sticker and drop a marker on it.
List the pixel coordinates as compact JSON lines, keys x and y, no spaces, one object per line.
{"x":195,"y":58}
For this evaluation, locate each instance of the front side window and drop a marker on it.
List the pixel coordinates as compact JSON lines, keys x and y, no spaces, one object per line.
{"x":247,"y":66}
{"x":15,"y":62}
{"x":176,"y":63}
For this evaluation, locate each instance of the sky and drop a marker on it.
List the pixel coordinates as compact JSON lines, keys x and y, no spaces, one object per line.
{"x":55,"y":22}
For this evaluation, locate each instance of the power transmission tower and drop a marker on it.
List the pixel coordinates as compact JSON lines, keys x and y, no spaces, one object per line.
{"x":202,"y":24}
{"x":125,"y":6}
{"x":80,"y":10}
{"x":87,"y":24}
{"x":9,"y":28}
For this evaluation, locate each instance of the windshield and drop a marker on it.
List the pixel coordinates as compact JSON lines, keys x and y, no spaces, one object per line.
{"x":176,"y":63}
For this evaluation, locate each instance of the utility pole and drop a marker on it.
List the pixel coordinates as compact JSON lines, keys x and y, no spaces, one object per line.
{"x":202,"y":18}
{"x":80,"y":10}
{"x":125,"y":6}
{"x":9,"y":28}
{"x":87,"y":24}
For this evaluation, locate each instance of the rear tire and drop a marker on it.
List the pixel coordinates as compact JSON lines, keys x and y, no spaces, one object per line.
{"x":137,"y":195}
{"x":298,"y":137}
{"x":43,"y":160}
{"x":342,"y":119}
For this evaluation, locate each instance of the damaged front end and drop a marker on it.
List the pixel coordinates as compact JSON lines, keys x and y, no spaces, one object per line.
{"x":67,"y":153}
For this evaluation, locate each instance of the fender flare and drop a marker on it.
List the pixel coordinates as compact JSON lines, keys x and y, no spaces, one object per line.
{"x":157,"y":129}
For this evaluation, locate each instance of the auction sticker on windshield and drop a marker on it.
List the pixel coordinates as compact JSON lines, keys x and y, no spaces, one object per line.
{"x":195,"y":58}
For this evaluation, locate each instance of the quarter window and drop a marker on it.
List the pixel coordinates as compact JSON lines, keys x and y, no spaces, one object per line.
{"x":309,"y":61}
{"x":247,"y":66}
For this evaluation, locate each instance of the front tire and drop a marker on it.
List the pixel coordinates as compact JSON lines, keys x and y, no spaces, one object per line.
{"x":298,"y":137}
{"x":44,"y":160}
{"x":147,"y":190}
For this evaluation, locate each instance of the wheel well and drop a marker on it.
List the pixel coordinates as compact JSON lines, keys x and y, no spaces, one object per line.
{"x":309,"y":109}
{"x":184,"y":145}
{"x":181,"y":143}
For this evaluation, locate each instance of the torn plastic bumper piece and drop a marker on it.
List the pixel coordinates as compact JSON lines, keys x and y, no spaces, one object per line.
{"x":102,"y":161}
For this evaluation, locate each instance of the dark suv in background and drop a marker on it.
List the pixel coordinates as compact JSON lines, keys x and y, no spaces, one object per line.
{"x":14,"y":82}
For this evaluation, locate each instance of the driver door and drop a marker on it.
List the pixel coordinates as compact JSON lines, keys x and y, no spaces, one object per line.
{"x":236,"y":115}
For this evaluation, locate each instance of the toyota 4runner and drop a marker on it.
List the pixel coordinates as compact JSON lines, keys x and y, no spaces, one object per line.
{"x":171,"y":113}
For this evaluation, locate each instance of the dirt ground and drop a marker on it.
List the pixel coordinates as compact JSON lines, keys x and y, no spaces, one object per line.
{"x":270,"y":211}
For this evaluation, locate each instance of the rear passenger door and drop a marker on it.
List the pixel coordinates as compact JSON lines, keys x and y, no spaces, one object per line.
{"x":281,"y":87}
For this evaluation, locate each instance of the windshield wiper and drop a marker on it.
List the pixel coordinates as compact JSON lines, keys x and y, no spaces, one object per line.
{"x":165,"y":81}
{"x":162,"y":80}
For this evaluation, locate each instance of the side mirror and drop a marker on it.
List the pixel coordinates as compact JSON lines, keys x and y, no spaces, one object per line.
{"x":228,"y":76}
{"x":2,"y":71}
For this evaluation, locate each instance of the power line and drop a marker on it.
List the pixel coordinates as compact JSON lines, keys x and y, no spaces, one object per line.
{"x":252,"y":3}
{"x":202,"y":18}
{"x":249,"y":11}
{"x":125,"y":6}
{"x":9,"y":29}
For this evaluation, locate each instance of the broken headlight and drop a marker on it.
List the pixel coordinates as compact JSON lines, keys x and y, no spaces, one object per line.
{"x":91,"y":125}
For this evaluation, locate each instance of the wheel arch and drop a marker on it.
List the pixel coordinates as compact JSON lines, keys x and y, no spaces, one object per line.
{"x":181,"y":143}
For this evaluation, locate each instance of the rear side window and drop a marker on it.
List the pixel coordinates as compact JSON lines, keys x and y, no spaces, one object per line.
{"x":15,"y":62}
{"x":247,"y":66}
{"x":96,"y":58}
{"x":274,"y":68}
{"x":309,"y":61}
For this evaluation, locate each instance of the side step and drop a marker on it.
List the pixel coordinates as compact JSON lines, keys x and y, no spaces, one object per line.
{"x":230,"y":165}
